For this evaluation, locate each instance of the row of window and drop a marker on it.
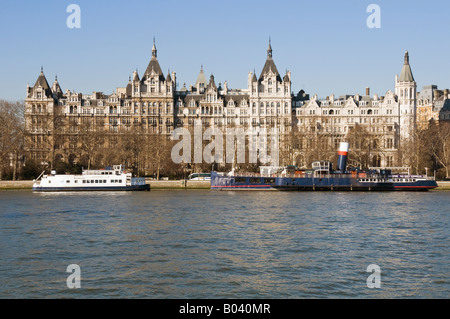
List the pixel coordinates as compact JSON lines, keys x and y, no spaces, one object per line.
{"x":100,"y":181}
{"x":349,"y":112}
{"x":255,"y":180}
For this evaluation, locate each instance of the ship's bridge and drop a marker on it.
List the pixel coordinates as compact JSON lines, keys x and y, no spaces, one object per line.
{"x":322,"y":166}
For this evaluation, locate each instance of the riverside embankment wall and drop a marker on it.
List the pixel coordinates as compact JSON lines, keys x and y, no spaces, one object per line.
{"x":178,"y":184}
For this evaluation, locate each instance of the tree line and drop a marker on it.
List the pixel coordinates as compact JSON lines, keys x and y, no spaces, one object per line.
{"x":82,"y":142}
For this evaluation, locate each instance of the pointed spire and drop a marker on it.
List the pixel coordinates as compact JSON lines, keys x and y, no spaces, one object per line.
{"x":154,"y":51}
{"x":269,"y":66}
{"x":42,"y":82}
{"x":136,"y":76}
{"x":269,"y":50}
{"x":406,"y":73}
{"x":201,"y":79}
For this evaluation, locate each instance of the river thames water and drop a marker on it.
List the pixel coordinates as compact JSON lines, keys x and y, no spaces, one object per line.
{"x":209,"y":244}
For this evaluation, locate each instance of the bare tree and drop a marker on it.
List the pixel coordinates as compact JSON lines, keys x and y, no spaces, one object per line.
{"x":11,"y":135}
{"x":366,"y":147}
{"x":91,"y":139}
{"x":438,"y":141}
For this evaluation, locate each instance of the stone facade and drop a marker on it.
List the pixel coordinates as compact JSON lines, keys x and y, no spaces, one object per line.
{"x":156,"y":106}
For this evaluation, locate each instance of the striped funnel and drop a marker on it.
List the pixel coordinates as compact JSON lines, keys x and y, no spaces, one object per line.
{"x":343,"y":154}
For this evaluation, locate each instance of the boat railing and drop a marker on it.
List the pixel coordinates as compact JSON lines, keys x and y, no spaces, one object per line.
{"x":423,"y":177}
{"x":355,"y":175}
{"x":138,"y":181}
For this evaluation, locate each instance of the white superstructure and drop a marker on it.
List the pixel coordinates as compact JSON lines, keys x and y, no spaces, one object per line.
{"x":116,"y":178}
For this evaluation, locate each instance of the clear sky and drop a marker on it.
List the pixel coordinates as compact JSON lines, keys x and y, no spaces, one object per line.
{"x":326,"y":44}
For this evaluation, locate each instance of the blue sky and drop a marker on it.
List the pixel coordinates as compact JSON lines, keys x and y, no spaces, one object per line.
{"x":325,"y":44}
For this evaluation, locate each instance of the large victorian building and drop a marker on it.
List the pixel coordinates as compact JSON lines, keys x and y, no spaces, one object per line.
{"x":152,"y":104}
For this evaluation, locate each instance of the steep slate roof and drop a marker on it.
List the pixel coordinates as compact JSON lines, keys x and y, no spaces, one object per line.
{"x":201,"y":78}
{"x":254,"y":79}
{"x":153,"y":66}
{"x":406,"y":74}
{"x":42,"y":81}
{"x":135,"y":77}
{"x":269,"y":66}
{"x":237,"y":98}
{"x":168,"y":77}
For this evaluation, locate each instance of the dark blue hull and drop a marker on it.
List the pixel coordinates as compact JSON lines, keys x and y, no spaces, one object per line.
{"x":342,"y":182}
{"x":86,"y":189}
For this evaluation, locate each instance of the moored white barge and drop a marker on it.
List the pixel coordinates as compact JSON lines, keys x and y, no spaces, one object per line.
{"x":108,"y":179}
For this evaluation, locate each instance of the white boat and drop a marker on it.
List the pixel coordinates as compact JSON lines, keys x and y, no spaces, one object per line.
{"x":108,"y":179}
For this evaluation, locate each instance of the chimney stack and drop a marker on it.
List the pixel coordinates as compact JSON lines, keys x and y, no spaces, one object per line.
{"x":343,"y":154}
{"x":367,"y":91}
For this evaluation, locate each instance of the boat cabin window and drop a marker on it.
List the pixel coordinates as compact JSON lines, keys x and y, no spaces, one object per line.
{"x":241,"y":180}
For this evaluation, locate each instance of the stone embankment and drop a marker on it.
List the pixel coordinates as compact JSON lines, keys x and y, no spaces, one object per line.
{"x":178,"y":184}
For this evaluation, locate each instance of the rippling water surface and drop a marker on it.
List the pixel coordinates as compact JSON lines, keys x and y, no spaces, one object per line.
{"x":206,"y":244}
